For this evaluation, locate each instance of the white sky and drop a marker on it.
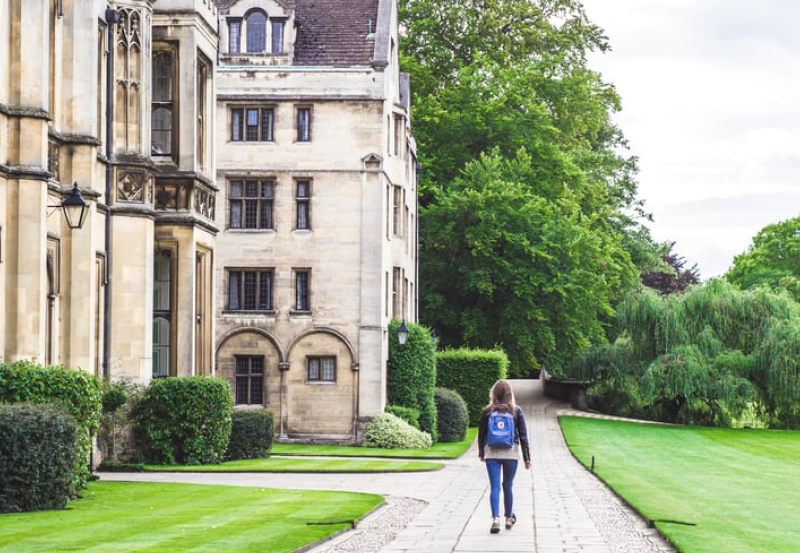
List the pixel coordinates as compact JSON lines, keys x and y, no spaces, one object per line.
{"x":711,"y":106}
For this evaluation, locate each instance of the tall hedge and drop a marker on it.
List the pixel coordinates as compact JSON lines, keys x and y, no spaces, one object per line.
{"x":77,"y":392}
{"x":412,"y":373}
{"x":471,"y":373}
{"x":38,"y":452}
{"x":184,"y":420}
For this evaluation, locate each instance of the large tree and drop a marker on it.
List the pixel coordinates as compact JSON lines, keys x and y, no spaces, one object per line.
{"x":773,"y":259}
{"x":496,"y":78}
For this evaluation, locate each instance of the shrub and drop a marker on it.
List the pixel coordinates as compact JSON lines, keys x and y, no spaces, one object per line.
{"x":390,"y":432}
{"x":452,"y":418}
{"x":39,"y":449}
{"x":77,"y":392}
{"x":252,"y":433}
{"x":412,"y":374}
{"x":408,"y":414}
{"x":184,"y":420}
{"x":471,"y":373}
{"x":115,"y":437}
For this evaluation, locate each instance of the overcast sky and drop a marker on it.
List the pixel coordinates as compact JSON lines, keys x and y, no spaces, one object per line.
{"x":711,"y":106}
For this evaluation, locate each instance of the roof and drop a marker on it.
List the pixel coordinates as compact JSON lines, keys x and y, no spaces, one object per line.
{"x":331,"y":32}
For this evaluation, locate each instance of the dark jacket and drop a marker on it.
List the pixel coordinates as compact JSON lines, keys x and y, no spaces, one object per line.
{"x":521,"y":431}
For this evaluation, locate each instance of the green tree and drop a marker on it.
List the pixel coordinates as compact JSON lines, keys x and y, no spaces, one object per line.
{"x":773,"y":259}
{"x":512,"y":264}
{"x":494,"y":78}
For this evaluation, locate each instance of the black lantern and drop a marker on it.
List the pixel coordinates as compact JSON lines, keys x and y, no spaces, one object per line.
{"x":75,"y":208}
{"x":402,"y":334}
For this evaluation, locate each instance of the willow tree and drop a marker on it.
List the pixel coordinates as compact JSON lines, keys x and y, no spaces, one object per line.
{"x":702,"y":357}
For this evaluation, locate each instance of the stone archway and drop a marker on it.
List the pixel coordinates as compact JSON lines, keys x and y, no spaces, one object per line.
{"x":250,"y":360}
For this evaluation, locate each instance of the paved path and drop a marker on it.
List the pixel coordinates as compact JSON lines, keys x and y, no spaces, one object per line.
{"x":561,"y":507}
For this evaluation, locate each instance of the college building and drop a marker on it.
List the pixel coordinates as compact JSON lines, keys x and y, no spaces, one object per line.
{"x":198,"y":187}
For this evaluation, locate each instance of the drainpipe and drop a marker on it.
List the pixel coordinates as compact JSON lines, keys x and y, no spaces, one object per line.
{"x":112,"y":17}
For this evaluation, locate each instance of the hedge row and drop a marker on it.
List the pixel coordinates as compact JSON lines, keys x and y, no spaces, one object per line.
{"x":252,"y":433}
{"x":412,"y":374}
{"x":39,"y":449}
{"x":471,"y":373}
{"x":76,"y":392}
{"x":185,"y":420}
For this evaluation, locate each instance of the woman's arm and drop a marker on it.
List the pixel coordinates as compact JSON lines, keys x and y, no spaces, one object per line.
{"x":522,"y":430}
{"x":483,"y":427}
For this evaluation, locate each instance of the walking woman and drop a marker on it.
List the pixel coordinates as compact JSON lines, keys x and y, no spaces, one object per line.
{"x":501,"y":434}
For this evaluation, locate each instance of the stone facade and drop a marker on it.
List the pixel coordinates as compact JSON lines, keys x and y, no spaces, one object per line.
{"x":60,"y":124}
{"x":251,"y":181}
{"x":317,"y":185}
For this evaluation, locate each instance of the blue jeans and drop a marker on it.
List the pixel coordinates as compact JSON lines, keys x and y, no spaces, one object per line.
{"x":509,"y":468}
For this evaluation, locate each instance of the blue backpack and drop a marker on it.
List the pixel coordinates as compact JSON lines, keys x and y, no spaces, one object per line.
{"x":501,"y":430}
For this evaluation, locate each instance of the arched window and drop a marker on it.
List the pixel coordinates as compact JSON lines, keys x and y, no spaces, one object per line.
{"x":256,"y":33}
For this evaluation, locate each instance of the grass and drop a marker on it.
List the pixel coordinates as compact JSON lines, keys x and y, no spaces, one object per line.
{"x":438,"y":451}
{"x":125,"y":516}
{"x":272,"y":464}
{"x":737,"y":488}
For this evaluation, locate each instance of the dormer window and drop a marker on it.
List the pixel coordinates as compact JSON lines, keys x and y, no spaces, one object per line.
{"x":277,"y":36}
{"x":256,"y":33}
{"x":234,"y":35}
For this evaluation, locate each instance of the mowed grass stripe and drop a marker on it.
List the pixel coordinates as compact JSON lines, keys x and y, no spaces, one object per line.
{"x":125,"y":516}
{"x":440,"y":450}
{"x":739,"y":487}
{"x":272,"y":464}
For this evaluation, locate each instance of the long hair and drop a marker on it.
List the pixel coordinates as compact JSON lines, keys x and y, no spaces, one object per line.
{"x":502,"y":396}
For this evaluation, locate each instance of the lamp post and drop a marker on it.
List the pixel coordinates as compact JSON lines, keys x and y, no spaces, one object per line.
{"x":402,"y":334}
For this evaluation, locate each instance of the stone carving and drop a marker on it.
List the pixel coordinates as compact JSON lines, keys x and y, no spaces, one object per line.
{"x":130,"y":186}
{"x":204,"y":202}
{"x":54,"y":160}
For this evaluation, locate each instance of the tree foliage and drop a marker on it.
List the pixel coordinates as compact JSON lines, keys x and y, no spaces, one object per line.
{"x":703,"y":357}
{"x":672,"y":277}
{"x":773,"y":259}
{"x":516,"y":141}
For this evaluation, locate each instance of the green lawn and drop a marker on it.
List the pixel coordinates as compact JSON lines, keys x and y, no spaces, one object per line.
{"x":272,"y":464}
{"x":125,"y":516}
{"x":438,"y":451}
{"x":740,"y":489}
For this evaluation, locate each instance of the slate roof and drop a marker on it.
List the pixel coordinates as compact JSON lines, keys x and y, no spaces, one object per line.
{"x":331,"y":32}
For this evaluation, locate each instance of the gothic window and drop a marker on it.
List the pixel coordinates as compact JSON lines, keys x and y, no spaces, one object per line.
{"x":162,"y":310}
{"x":202,"y":101}
{"x":163,"y":102}
{"x":256,"y":32}
{"x":127,"y":69}
{"x":249,"y":290}
{"x":302,"y":300}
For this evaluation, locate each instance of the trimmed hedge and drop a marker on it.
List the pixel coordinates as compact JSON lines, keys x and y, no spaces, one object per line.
{"x":390,"y":432}
{"x":471,"y":373}
{"x":412,"y":373}
{"x":451,"y":415}
{"x":408,"y":414}
{"x":39,"y":449}
{"x":252,"y":433}
{"x":184,"y":420}
{"x":77,"y":392}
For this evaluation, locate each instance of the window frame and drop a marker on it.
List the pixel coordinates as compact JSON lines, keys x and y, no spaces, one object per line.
{"x":259,"y":273}
{"x":240,"y":22}
{"x":302,"y":203}
{"x":247,"y":28}
{"x":319,"y":376}
{"x":160,"y":49}
{"x":264,"y":203}
{"x":260,"y":128}
{"x":300,"y":308}
{"x":300,"y":135}
{"x":273,"y":22}
{"x":249,"y":377}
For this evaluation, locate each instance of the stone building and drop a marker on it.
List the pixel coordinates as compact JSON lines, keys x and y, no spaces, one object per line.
{"x":316,"y":172}
{"x":250,"y":179}
{"x":117,"y":98}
